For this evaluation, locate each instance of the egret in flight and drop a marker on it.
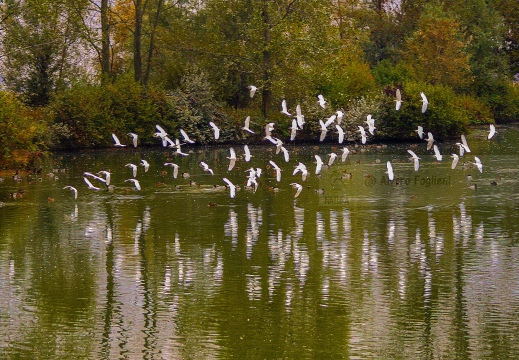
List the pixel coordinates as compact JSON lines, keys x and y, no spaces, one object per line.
{"x":252,"y":90}
{"x":284,"y":109}
{"x":298,"y":188}
{"x":420,"y":132}
{"x":345,"y":152}
{"x":186,"y":137}
{"x":216,"y":130}
{"x":145,"y":164}
{"x":248,"y":155}
{"x":134,"y":138}
{"x":492,"y":131}
{"x":425,"y":102}
{"x":478,"y":164}
{"x":340,"y":131}
{"x":206,"y":167}
{"x":430,"y":140}
{"x":89,"y":184}
{"x":362,"y":134}
{"x":415,"y":159}
{"x":321,"y":100}
{"x":246,"y":125}
{"x":398,"y":99}
{"x":278,"y":170}
{"x":117,"y":142}
{"x":437,"y":154}
{"x":389,"y":172}
{"x":175,"y":169}
{"x":134,"y":169}
{"x":319,"y":164}
{"x":73,"y":189}
{"x":232,"y":187}
{"x":135,"y":183}
{"x":232,"y":159}
{"x":455,"y":159}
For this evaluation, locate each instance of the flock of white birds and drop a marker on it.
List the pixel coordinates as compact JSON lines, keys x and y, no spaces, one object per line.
{"x":298,"y":121}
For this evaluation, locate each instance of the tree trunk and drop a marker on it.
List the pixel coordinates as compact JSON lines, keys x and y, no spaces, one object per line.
{"x":152,"y":43}
{"x":267,"y":62}
{"x":105,"y":41}
{"x":137,"y":38}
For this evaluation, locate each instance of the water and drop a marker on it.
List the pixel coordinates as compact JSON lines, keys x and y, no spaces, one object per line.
{"x":422,"y":267}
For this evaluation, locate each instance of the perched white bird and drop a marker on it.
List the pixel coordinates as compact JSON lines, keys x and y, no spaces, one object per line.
{"x":232,"y":159}
{"x":319,"y":164}
{"x":206,"y":167}
{"x":216,"y":130}
{"x":424,"y":102}
{"x":415,"y":159}
{"x":278,"y":170}
{"x":299,"y":117}
{"x":420,"y":131}
{"x":430,"y":140}
{"x":398,"y":99}
{"x":478,"y":164}
{"x":117,"y":142}
{"x":145,"y":164}
{"x":175,"y":169}
{"x":371,"y":124}
{"x":134,"y":138}
{"x":73,"y":189}
{"x":285,"y":154}
{"x":186,"y":137}
{"x":437,"y":154}
{"x":248,"y":155}
{"x":389,"y":171}
{"x":321,"y":100}
{"x":332,"y":158}
{"x":455,"y":159}
{"x":298,"y":188}
{"x":345,"y":152}
{"x":340,"y":115}
{"x":89,"y":184}
{"x":134,"y":169}
{"x":232,"y":187}
{"x":302,"y":169}
{"x":362,"y":134}
{"x":135,"y":183}
{"x":284,"y":109}
{"x":252,"y":90}
{"x":293,"y":130}
{"x":340,"y":131}
{"x":492,"y":131}
{"x":246,"y":125}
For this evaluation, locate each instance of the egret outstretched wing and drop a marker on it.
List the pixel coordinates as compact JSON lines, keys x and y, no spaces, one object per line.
{"x":116,"y":141}
{"x":232,"y":187}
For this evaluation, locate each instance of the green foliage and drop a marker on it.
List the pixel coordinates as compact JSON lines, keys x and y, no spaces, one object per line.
{"x":504,"y":102}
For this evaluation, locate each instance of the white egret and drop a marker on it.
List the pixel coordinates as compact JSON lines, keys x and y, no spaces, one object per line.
{"x":285,"y":154}
{"x":293,"y":130}
{"x":178,"y":145}
{"x":232,"y":187}
{"x":107,"y":175}
{"x":398,"y":99}
{"x":206,"y":167}
{"x":232,"y":159}
{"x":279,"y":145}
{"x":478,"y":164}
{"x":175,"y":169}
{"x":371,"y":124}
{"x":278,"y":170}
{"x":117,"y":142}
{"x":299,"y":117}
{"x":248,"y":155}
{"x":340,"y":115}
{"x":145,"y":164}
{"x":321,"y":100}
{"x":345,"y":152}
{"x":89,"y":184}
{"x":362,"y":134}
{"x":389,"y":171}
{"x":73,"y":189}
{"x":134,"y":169}
{"x":324,"y":130}
{"x":319,"y":164}
{"x":464,"y":143}
{"x":95,"y":177}
{"x":415,"y":159}
{"x":302,"y":169}
{"x":437,"y":154}
{"x":134,"y":138}
{"x":163,"y":135}
{"x":420,"y":131}
{"x":216,"y":130}
{"x":246,"y":125}
{"x":284,"y":109}
{"x":492,"y":131}
{"x":425,"y":102}
{"x":268,"y":130}
{"x":186,"y":137}
{"x":135,"y":183}
{"x":298,"y":188}
{"x":455,"y":159}
{"x":340,"y":132}
{"x":332,"y":158}
{"x":430,"y":140}
{"x":252,"y":90}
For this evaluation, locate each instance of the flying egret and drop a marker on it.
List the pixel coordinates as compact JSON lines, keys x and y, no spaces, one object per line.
{"x":95,"y":177}
{"x":285,"y":154}
{"x":455,"y":159}
{"x":73,"y":189}
{"x":186,"y":137}
{"x":324,"y":130}
{"x":415,"y":159}
{"x":133,"y":167}
{"x":321,"y":100}
{"x":345,"y":152}
{"x":389,"y":171}
{"x":278,"y":170}
{"x":332,"y":158}
{"x":206,"y":167}
{"x":398,"y":99}
{"x":299,"y":117}
{"x":340,"y":115}
{"x":145,"y":164}
{"x":302,"y":169}
{"x":430,"y":140}
{"x":492,"y":131}
{"x":134,"y":138}
{"x":247,"y":153}
{"x":268,"y":130}
{"x":424,"y":102}
{"x":163,"y":135}
{"x":293,"y":130}
{"x":117,"y":142}
{"x":362,"y":134}
{"x":298,"y":188}
{"x":232,"y":159}
{"x":252,"y":90}
{"x":89,"y":184}
{"x":340,"y":131}
{"x":319,"y":164}
{"x":478,"y":164}
{"x":371,"y":124}
{"x":284,"y":109}
{"x":135,"y":183}
{"x":178,"y":145}
{"x":216,"y":130}
{"x":232,"y":187}
{"x":175,"y":169}
{"x":464,"y":143}
{"x":107,"y":176}
{"x":420,"y":131}
{"x":279,"y":145}
{"x":437,"y":154}
{"x":246,"y":125}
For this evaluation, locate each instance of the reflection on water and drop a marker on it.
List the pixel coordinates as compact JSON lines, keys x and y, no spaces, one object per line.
{"x":382,"y":271}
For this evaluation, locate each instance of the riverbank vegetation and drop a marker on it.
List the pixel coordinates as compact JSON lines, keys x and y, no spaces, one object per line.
{"x":75,"y":71}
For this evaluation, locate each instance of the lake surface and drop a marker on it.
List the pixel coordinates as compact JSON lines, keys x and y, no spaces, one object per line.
{"x":421,"y":267}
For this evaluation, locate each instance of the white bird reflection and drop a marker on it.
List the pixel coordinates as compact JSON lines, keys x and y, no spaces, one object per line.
{"x":231,"y":228}
{"x":254,"y":216}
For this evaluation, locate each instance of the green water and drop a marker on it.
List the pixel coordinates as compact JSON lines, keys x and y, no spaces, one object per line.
{"x":422,"y":267}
